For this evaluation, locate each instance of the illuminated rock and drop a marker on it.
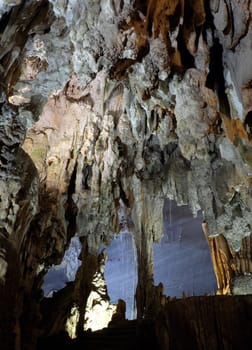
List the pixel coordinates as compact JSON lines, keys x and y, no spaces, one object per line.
{"x":105,"y":102}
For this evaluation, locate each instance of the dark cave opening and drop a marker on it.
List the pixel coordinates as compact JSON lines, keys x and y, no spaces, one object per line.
{"x":248,"y":123}
{"x":215,"y":78}
{"x":186,"y":57}
{"x":4,"y":21}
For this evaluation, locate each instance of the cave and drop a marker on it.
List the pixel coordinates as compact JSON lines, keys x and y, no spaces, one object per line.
{"x":248,"y":123}
{"x":125,"y":174}
{"x":59,"y":275}
{"x":182,"y":257}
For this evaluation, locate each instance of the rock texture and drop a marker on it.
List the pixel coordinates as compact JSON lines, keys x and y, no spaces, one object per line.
{"x":102,"y":102}
{"x":206,"y":323}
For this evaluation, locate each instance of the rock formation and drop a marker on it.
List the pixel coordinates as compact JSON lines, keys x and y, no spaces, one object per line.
{"x":105,"y":101}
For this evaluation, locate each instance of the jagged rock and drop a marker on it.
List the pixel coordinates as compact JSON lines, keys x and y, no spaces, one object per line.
{"x":105,"y":102}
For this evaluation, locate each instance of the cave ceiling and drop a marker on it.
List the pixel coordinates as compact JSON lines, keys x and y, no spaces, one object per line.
{"x":103,"y":102}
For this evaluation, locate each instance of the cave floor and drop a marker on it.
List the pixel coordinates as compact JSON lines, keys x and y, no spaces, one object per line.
{"x":195,"y":323}
{"x":128,"y":335}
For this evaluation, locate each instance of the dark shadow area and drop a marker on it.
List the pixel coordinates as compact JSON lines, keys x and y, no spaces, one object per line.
{"x":248,"y":123}
{"x":215,"y":78}
{"x":186,"y":57}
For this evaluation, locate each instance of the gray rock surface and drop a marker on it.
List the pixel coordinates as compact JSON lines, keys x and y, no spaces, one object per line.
{"x":131,"y":102}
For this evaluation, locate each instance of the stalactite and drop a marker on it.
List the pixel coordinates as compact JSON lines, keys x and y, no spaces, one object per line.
{"x":119,"y":101}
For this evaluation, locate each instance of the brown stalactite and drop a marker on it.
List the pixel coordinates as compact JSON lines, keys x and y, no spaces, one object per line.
{"x":227,"y":263}
{"x":222,"y":261}
{"x":243,"y":261}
